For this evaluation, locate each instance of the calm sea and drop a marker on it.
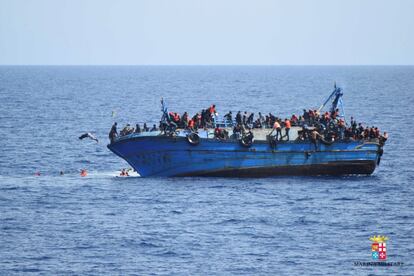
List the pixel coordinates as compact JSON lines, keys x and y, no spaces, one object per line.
{"x":101,"y":224}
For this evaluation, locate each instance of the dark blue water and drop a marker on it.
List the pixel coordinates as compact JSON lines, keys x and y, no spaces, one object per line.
{"x":106,"y":225}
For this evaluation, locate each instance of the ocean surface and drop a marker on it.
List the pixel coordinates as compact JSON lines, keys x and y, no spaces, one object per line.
{"x":105,"y":225}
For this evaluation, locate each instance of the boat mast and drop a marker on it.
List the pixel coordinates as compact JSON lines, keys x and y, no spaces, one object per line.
{"x":165,"y":116}
{"x":336,"y":98}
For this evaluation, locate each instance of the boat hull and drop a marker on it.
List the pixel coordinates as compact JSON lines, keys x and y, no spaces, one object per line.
{"x":175,"y":156}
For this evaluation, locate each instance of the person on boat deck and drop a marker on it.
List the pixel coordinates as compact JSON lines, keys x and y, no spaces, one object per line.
{"x":177,"y":118}
{"x":250,"y":119}
{"x":127,"y":130}
{"x":335,"y":114}
{"x":311,"y":116}
{"x":244,"y":118}
{"x":217,"y":133}
{"x":239,"y":118}
{"x":261,"y":119}
{"x":377,"y":133}
{"x":249,"y":134}
{"x":372,"y":133}
{"x":145,"y":128}
{"x":191,"y":125}
{"x":172,"y":121}
{"x":203,"y":118}
{"x":272,"y":119}
{"x":360,"y":131}
{"x":353,"y":125}
{"x":277,"y":127}
{"x":365,"y":134}
{"x":123,"y":131}
{"x":304,"y":133}
{"x":113,"y":133}
{"x":341,"y":128}
{"x":348,"y":133}
{"x":184,"y":120}
{"x":229,"y":117}
{"x":294,"y":120}
{"x":212,"y":109}
{"x":137,"y":128}
{"x":287,"y":128}
{"x":306,"y":116}
{"x":267,"y":122}
{"x":154,"y":128}
{"x":257,"y":124}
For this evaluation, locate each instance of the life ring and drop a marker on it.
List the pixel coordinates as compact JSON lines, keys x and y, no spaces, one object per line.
{"x":246,"y":141}
{"x":193,"y":138}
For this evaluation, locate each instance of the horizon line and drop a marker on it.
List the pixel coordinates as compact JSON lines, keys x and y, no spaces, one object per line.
{"x":207,"y":65}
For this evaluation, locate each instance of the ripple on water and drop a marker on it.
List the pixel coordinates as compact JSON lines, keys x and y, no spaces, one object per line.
{"x":101,"y":224}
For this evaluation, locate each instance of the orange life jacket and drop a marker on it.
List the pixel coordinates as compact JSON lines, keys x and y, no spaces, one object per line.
{"x":191,"y":123}
{"x":176,"y":117}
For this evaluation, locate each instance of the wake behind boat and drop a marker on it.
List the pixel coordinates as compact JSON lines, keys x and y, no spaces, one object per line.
{"x":312,"y":144}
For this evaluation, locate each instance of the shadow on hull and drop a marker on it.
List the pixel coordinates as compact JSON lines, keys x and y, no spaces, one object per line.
{"x":333,"y":168}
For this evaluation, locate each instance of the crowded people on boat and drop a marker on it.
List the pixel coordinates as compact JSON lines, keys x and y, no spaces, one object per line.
{"x":329,"y":125}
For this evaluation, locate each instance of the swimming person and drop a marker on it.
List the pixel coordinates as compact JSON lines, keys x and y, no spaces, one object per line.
{"x":83,"y":173}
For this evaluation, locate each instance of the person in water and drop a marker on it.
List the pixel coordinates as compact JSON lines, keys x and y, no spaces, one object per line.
{"x":83,"y":172}
{"x":124,"y":172}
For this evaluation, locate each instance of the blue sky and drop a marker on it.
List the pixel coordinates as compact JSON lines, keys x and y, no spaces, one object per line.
{"x":290,"y":32}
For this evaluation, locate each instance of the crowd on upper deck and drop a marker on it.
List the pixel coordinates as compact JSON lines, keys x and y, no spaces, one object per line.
{"x":330,"y":125}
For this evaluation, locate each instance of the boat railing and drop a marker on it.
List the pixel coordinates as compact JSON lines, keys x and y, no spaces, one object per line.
{"x":223,"y":123}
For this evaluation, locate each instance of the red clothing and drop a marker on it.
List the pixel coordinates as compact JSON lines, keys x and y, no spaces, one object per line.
{"x":287,"y":124}
{"x":191,"y":123}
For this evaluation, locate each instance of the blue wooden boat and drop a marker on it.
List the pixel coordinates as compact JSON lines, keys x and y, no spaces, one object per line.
{"x":183,"y":154}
